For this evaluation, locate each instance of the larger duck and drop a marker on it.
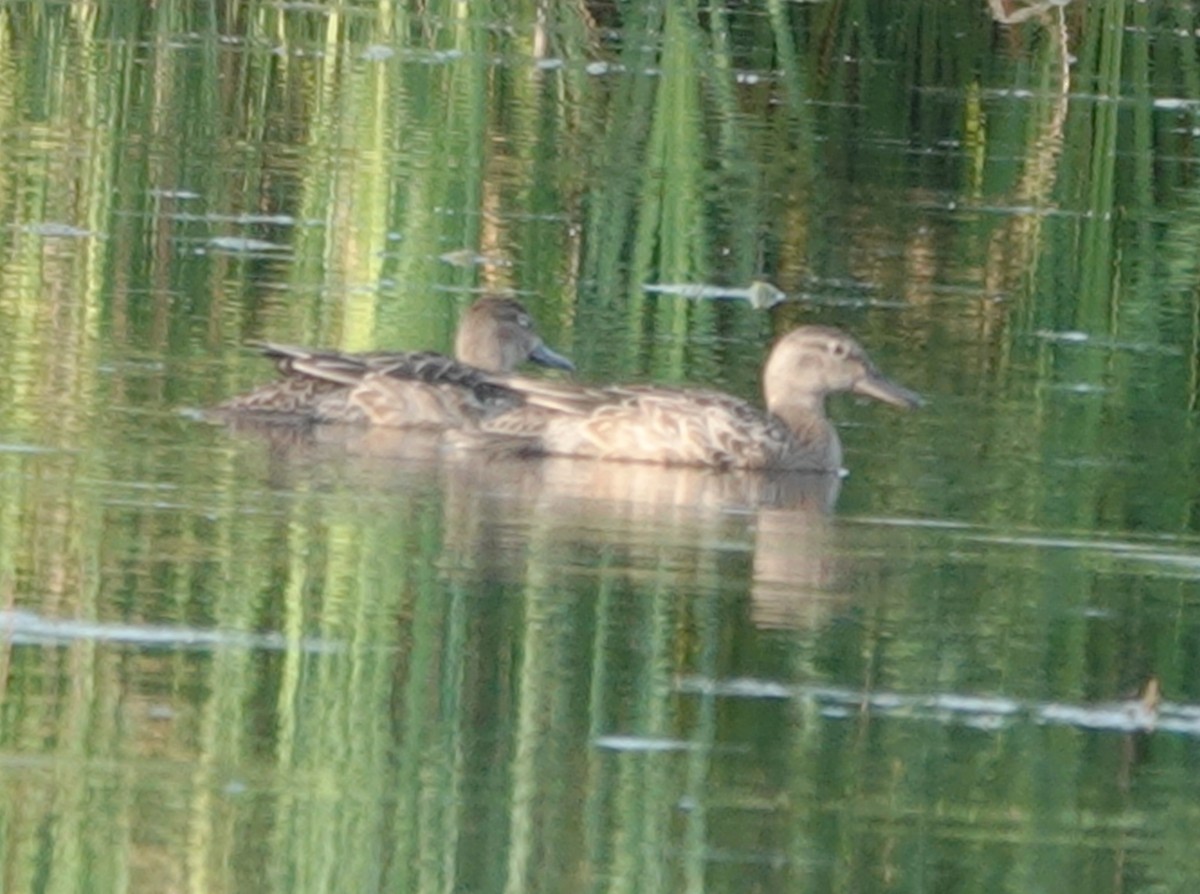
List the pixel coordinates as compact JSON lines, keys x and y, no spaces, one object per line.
{"x":705,"y":428}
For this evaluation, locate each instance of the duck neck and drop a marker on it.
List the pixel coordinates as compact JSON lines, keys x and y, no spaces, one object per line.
{"x":795,"y":405}
{"x":477,"y":351}
{"x":816,"y":438}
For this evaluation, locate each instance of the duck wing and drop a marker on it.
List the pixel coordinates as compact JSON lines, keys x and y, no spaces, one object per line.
{"x":647,"y":424}
{"x":418,"y":389}
{"x":348,"y":369}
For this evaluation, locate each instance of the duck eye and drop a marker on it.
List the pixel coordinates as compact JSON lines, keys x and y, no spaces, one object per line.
{"x":838,"y":349}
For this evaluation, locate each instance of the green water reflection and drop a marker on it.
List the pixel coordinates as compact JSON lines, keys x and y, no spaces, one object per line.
{"x":235,"y":660}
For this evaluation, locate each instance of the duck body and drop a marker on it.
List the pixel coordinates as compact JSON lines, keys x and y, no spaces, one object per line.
{"x":690,"y":427}
{"x":680,"y":426}
{"x":419,"y":389}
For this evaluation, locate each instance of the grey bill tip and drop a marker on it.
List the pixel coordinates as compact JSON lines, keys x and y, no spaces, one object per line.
{"x":889,"y":392}
{"x":546,"y":357}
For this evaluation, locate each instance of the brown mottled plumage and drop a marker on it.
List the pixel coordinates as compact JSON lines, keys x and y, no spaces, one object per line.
{"x":404,"y":389}
{"x":638,"y":423}
{"x":705,"y":428}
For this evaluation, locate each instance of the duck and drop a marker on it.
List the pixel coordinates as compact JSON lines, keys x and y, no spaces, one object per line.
{"x":696,"y":427}
{"x":403,"y":389}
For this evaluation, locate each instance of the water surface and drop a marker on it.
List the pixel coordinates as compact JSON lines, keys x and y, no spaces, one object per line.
{"x":284,"y":661}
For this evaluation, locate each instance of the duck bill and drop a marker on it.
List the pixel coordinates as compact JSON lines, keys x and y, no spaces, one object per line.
{"x":543,"y":355}
{"x":876,"y":386}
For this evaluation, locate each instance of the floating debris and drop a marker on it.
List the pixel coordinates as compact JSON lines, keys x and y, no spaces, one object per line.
{"x":14,"y":447}
{"x":1146,"y":713}
{"x":643,"y":744}
{"x":1074,"y":337}
{"x":760,"y":295}
{"x":28,"y":628}
{"x":183,"y":194}
{"x":1078,"y":388}
{"x":466,"y":257}
{"x":1070,"y":335}
{"x":377,"y":53}
{"x":59,"y":231}
{"x":244,"y":245}
{"x":602,"y":68}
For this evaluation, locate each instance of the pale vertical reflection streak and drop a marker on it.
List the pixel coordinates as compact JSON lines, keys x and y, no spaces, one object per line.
{"x":641,"y":825}
{"x":287,"y":720}
{"x":598,"y":764}
{"x":535,"y":669}
{"x":708,"y":632}
{"x":453,"y":759}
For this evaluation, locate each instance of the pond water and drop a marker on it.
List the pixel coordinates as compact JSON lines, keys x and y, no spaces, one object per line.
{"x":244,"y":660}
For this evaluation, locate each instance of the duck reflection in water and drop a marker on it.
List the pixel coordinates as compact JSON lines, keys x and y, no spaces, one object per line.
{"x":503,"y":517}
{"x":703,"y":470}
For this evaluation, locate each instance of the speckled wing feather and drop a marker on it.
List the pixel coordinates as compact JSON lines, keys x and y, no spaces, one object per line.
{"x":424,"y":390}
{"x":421,"y":389}
{"x":347,"y":369}
{"x":285,"y":398}
{"x":648,"y":424}
{"x":309,"y":376}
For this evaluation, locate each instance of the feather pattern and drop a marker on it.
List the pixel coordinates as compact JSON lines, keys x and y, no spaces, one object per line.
{"x":706,"y":428}
{"x":635,"y":423}
{"x":422,"y":389}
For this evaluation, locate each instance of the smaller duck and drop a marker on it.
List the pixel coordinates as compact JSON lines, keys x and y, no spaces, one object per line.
{"x":404,"y":389}
{"x":678,"y":426}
